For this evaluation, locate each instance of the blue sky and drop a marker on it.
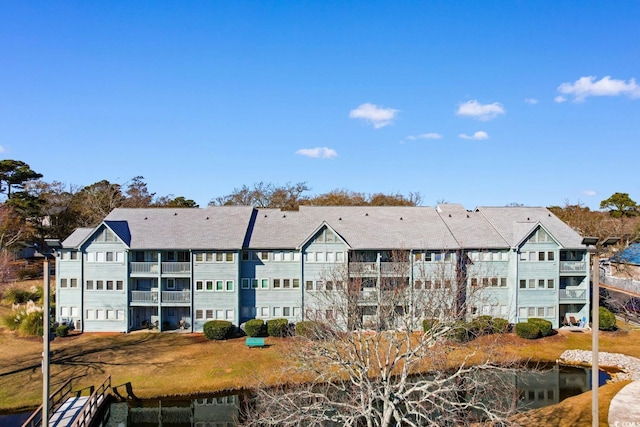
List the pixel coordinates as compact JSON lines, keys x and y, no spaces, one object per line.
{"x":479,"y":103}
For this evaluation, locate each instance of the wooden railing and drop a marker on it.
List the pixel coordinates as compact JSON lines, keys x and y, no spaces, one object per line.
{"x":56,"y":399}
{"x":573,"y":267}
{"x":176,"y":267}
{"x":144,"y":296}
{"x":572,"y":294}
{"x":143,"y":267}
{"x":92,"y":406}
{"x":176,"y":296}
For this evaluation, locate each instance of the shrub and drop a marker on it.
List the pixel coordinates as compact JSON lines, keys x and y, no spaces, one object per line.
{"x":20,"y":296}
{"x":277,"y":327}
{"x":481,"y":326}
{"x":12,"y":320}
{"x":62,"y":330}
{"x":428,"y":324}
{"x":500,"y":326}
{"x":544,"y":325}
{"x":527,"y":330}
{"x":31,"y":324}
{"x":607,"y":320}
{"x":254,"y":328}
{"x":459,"y":331}
{"x":217,"y":329}
{"x":28,"y":273}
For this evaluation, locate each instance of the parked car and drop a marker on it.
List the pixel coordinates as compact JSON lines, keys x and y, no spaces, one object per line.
{"x":633,"y":305}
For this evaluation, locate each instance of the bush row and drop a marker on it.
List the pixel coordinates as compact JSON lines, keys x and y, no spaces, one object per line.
{"x":534,"y":328}
{"x":462,"y":331}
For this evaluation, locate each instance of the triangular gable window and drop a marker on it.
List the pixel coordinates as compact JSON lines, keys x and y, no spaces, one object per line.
{"x":105,"y":235}
{"x":325,"y":236}
{"x":540,"y":236}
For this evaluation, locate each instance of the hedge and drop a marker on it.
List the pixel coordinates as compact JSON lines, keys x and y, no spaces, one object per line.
{"x":62,"y":331}
{"x":255,"y":328}
{"x":217,"y":329}
{"x":607,"y":319}
{"x":277,"y":327}
{"x":500,"y":326}
{"x":481,"y":326}
{"x":545,"y":326}
{"x":459,"y":331}
{"x":527,"y":330}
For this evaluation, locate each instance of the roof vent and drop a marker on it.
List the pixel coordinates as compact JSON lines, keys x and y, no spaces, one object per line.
{"x":528,"y":219}
{"x":175,"y":214}
{"x":145,"y":218}
{"x":207,"y":217}
{"x":265,"y":215}
{"x":549,"y":215}
{"x":284,"y":216}
{"x":340,"y":219}
{"x":400,"y":218}
{"x":467,"y":215}
{"x":366,"y":214}
{"x":449,"y":215}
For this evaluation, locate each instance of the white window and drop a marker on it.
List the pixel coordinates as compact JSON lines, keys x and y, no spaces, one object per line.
{"x":199,"y":285}
{"x":220,"y":314}
{"x":276,"y":284}
{"x":63,"y":283}
{"x":277,"y":256}
{"x":229,"y":314}
{"x":89,"y":285}
{"x":120,"y":314}
{"x":331,"y":257}
{"x":531,"y":311}
{"x":100,"y":256}
{"x":199,"y":315}
{"x":277,"y":311}
{"x":245,"y":283}
{"x":540,"y":311}
{"x":288,"y":256}
{"x":91,"y":256}
{"x":209,"y":314}
{"x":296,"y":256}
{"x":296,"y":311}
{"x":339,"y":256}
{"x":229,"y":285}
{"x":219,"y":285}
{"x":551,"y":312}
{"x":319,"y":256}
{"x":99,"y":314}
{"x":64,"y":311}
{"x":91,"y":314}
{"x":264,"y":311}
{"x":296,"y":283}
{"x":111,"y":315}
{"x":286,"y":311}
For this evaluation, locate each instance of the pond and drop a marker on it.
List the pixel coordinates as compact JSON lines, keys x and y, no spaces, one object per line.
{"x":546,"y":386}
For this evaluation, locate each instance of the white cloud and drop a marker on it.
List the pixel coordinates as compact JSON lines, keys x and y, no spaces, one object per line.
{"x":379,"y":117}
{"x":480,"y":111}
{"x":531,"y":101}
{"x":589,"y":193}
{"x":432,"y":135}
{"x":478,"y":136}
{"x":560,"y":99}
{"x":2,"y":149}
{"x":318,"y":152}
{"x":588,"y":86}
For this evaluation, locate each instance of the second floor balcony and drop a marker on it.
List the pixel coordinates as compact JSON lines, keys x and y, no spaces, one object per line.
{"x":151,"y":268}
{"x":151,"y":297}
{"x":573,"y":267}
{"x":568,"y":295}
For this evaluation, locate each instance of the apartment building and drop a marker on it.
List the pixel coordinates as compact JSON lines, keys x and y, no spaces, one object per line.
{"x":178,"y":268}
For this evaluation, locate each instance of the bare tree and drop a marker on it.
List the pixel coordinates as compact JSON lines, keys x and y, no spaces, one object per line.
{"x":366,"y":364}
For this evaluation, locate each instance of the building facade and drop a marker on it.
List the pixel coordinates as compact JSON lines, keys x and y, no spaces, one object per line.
{"x":179,"y":268}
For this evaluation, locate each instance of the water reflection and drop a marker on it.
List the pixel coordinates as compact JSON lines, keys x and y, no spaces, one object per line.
{"x":535,"y":389}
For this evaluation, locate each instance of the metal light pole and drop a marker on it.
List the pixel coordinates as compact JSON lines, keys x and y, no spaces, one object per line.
{"x":45,"y":343}
{"x":595,"y":321}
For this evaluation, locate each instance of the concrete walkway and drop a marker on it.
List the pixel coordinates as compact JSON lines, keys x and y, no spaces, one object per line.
{"x":624,"y":410}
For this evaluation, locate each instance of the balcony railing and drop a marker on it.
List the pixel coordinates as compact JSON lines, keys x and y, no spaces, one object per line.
{"x":363,"y":268}
{"x":144,"y":267}
{"x":176,"y":296}
{"x":176,"y":267}
{"x":395,"y":268}
{"x":573,"y":294}
{"x":573,"y":267}
{"x":144,"y":296}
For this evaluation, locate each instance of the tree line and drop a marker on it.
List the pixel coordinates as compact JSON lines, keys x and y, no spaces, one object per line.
{"x":34,"y":209}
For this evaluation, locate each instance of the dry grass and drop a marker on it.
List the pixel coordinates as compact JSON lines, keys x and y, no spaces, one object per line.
{"x":161,"y":364}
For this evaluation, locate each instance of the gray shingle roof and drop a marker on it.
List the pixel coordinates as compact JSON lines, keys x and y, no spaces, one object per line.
{"x":77,"y":237}
{"x":362,"y":227}
{"x":514,"y":223}
{"x":220,"y":227}
{"x":470,"y":228}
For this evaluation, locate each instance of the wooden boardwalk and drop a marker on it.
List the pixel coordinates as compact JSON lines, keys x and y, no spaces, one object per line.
{"x":72,"y":409}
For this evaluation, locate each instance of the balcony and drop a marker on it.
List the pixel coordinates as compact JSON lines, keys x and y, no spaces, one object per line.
{"x":395,"y":268}
{"x":364,"y":268}
{"x":183,"y":296}
{"x":176,"y":267}
{"x":570,"y":295}
{"x":144,"y":296}
{"x":573,"y":267}
{"x":143,"y":268}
